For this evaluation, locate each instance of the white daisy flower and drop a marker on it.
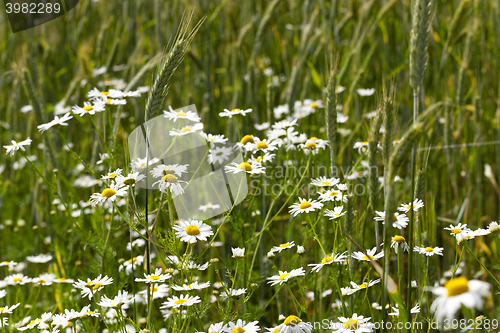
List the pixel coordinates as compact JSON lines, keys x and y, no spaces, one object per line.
{"x":325,"y":182}
{"x":192,"y":286}
{"x":456,"y":229}
{"x":355,"y":324}
{"x":313,"y":145}
{"x":89,"y":108}
{"x":121,"y":299}
{"x":361,"y":146}
{"x":304,"y":206}
{"x":242,"y":327}
{"x":176,"y":302}
{"x":157,"y":290}
{"x":57,"y":121}
{"x":261,"y":127}
{"x":129,"y":180}
{"x":112,"y":174}
{"x":16,"y":146}
{"x":457,"y":292}
{"x":293,"y":324}
{"x":170,"y":182}
{"x":338,"y":258}
{"x":157,"y":277}
{"x":91,"y":286}
{"x":131,"y":264}
{"x":395,"y":310}
{"x":417,"y":204}
{"x":234,"y":292}
{"x":399,"y":241}
{"x":267,"y":157}
{"x":173,"y":169}
{"x":264,"y":146}
{"x":400,"y":221}
{"x":219,"y":154}
{"x":331,"y":195}
{"x":335,"y":213}
{"x":40,"y":259}
{"x":208,"y":206}
{"x":429,"y":251}
{"x":26,"y":109}
{"x":192,"y":231}
{"x":8,"y":309}
{"x":17,"y":279}
{"x":281,"y":110}
{"x":282,"y":247}
{"x":283,"y":277}
{"x":370,"y":255}
{"x":212,"y":139}
{"x":364,"y":285}
{"x":186,"y":130}
{"x":111,"y":194}
{"x":174,"y":115}
{"x":245,"y":167}
{"x":234,"y":112}
{"x":141,"y":163}
{"x":238,"y":252}
{"x":493,"y":227}
{"x":365,"y":92}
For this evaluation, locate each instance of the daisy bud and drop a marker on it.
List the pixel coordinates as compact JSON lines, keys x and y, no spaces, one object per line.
{"x":213,"y":260}
{"x":270,"y":254}
{"x":254,"y":285}
{"x":300,"y":249}
{"x":238,"y":252}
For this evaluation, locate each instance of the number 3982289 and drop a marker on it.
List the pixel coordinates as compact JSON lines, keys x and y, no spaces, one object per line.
{"x":33,"y":8}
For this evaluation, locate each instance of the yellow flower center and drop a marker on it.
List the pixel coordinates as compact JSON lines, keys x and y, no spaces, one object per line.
{"x":245,"y":166}
{"x":368,"y":257}
{"x":429,"y":249}
{"x":154,"y":277}
{"x":108,"y":193}
{"x":364,"y":285}
{"x":32,"y":322}
{"x":292,"y":321}
{"x":311,"y":145}
{"x":326,"y":183}
{"x":180,"y":301}
{"x":108,"y":100}
{"x":284,"y":245}
{"x":334,"y":194}
{"x":351,"y":324}
{"x":314,"y":105}
{"x":305,"y":205}
{"x":62,"y":279}
{"x":238,"y":330}
{"x":276,"y":330}
{"x":88,"y":108}
{"x":456,"y":230}
{"x":170,"y":178}
{"x":17,"y":280}
{"x":90,"y":313}
{"x":1,"y":309}
{"x":457,"y":286}
{"x":185,"y":129}
{"x":260,"y":158}
{"x":262,"y":145}
{"x":247,"y":139}
{"x":142,"y":165}
{"x":104,"y":93}
{"x":327,"y":260}
{"x":4,"y":262}
{"x":180,"y":114}
{"x":97,"y":286}
{"x":399,"y":239}
{"x":129,"y":181}
{"x":41,"y":281}
{"x":130,"y":261}
{"x":283,"y":276}
{"x":235,"y":110}
{"x":192,"y":230}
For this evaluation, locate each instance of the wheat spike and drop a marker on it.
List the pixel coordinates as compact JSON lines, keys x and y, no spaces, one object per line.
{"x":420,"y":32}
{"x":167,"y":66}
